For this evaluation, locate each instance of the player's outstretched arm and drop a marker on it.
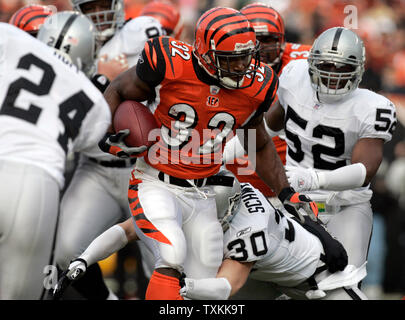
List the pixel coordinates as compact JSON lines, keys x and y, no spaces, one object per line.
{"x":231,"y":276}
{"x":109,"y":242}
{"x":367,"y":155}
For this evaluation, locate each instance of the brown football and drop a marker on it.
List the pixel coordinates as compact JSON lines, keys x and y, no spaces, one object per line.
{"x":138,"y":119}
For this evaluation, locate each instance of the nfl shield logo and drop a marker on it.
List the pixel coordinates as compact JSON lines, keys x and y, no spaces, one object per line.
{"x":214,"y":89}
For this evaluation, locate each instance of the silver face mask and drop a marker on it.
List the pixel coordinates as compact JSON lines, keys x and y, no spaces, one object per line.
{"x":227,"y":200}
{"x":336,"y":64}
{"x":108,"y":21}
{"x":74,"y":35}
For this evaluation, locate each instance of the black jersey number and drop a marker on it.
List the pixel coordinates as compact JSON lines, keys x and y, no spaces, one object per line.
{"x":257,"y":241}
{"x":78,"y":104}
{"x":383,"y":122}
{"x":317,"y":150}
{"x":32,"y":113}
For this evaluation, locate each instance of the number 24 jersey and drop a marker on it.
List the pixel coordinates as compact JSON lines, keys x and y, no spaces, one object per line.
{"x":47,"y":108}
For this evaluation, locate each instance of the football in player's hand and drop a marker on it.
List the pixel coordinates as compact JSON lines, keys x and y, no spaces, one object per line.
{"x":138,"y":119}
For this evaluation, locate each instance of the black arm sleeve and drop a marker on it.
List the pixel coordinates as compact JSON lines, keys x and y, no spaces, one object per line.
{"x":151,"y":66}
{"x":271,"y":91}
{"x":100,"y":81}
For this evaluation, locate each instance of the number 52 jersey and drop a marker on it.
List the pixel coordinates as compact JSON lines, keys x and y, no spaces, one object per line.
{"x":322,"y":136}
{"x":47,"y":107}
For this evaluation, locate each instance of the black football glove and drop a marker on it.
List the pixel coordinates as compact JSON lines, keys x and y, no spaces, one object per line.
{"x":299,"y":205}
{"x":115,"y":145}
{"x":76,"y":269}
{"x":335,"y":254}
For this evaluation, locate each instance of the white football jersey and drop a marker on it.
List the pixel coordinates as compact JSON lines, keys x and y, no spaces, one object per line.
{"x":321,"y":135}
{"x":283,"y":251}
{"x":47,"y":108}
{"x":130,"y":40}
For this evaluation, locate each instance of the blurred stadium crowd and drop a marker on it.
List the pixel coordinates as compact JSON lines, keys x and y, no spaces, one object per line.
{"x":381,"y":24}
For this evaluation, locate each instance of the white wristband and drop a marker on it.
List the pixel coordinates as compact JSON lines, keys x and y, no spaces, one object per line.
{"x":107,"y":243}
{"x":233,"y":149}
{"x":206,"y":289}
{"x":344,"y":178}
{"x":271,"y":132}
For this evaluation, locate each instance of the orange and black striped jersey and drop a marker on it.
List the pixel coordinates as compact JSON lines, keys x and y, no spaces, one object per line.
{"x":292,"y":51}
{"x":195,"y":114}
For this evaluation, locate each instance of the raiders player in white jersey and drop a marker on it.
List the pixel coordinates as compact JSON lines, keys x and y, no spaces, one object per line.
{"x":281,"y":251}
{"x":48,"y":108}
{"x":263,"y":244}
{"x":96,"y":198}
{"x":335,"y":134}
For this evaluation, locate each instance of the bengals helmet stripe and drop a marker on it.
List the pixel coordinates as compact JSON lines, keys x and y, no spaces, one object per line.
{"x":206,"y":15}
{"x":30,"y":18}
{"x":234,"y":32}
{"x":167,"y":14}
{"x":41,"y":16}
{"x":262,"y":14}
{"x":221,"y":34}
{"x":225,"y":19}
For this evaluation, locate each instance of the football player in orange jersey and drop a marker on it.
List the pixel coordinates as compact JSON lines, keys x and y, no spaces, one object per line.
{"x":31,"y":17}
{"x":168,"y":16}
{"x":277,"y":53}
{"x":217,"y":85}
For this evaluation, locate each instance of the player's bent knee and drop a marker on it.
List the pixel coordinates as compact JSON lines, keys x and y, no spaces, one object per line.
{"x":172,"y":256}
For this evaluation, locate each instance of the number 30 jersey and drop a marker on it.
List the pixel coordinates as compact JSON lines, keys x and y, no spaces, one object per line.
{"x":283,"y":251}
{"x":47,"y":107}
{"x":321,"y":135}
{"x":194,"y":113}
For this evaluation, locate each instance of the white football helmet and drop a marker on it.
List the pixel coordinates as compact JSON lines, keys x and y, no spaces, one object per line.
{"x":227,"y":200}
{"x":106,"y":21}
{"x":74,"y":35}
{"x":336,"y":64}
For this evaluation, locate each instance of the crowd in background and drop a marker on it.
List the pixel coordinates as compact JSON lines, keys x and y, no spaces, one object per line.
{"x":381,"y":24}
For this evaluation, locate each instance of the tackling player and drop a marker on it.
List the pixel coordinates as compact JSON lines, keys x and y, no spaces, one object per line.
{"x":170,"y":193}
{"x":279,"y":249}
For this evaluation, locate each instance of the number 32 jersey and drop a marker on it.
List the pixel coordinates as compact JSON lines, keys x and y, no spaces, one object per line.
{"x":47,"y":108}
{"x":321,"y":135}
{"x":194,"y":113}
{"x":283,"y":251}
